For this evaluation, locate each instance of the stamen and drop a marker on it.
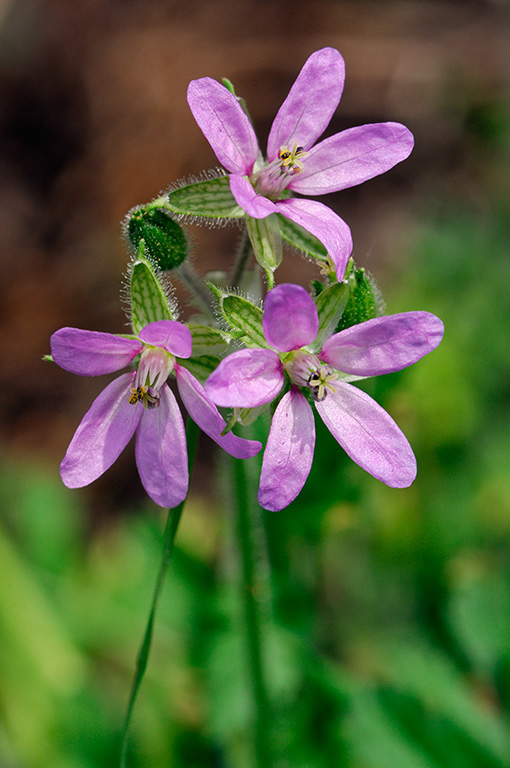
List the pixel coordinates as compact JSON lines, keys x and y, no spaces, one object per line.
{"x":291,"y":158}
{"x":271,"y":179}
{"x":147,"y":396}
{"x":319,"y":382}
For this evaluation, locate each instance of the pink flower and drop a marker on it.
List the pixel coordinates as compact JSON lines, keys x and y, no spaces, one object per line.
{"x":295,"y":162}
{"x":371,"y":438}
{"x":139,"y":401}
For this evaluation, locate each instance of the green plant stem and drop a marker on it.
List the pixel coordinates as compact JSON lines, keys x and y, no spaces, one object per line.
{"x":244,"y":254}
{"x":172,"y":524}
{"x":197,"y":287}
{"x":254,"y":584}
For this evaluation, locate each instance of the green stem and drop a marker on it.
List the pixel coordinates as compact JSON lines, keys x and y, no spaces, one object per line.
{"x":197,"y":286}
{"x":254,"y":585}
{"x":172,"y":524}
{"x":244,"y":254}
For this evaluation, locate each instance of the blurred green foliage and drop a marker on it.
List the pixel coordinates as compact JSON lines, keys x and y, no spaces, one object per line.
{"x":388,"y":638}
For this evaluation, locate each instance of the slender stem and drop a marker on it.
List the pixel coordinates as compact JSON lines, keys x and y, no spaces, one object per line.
{"x":244,"y":253}
{"x":254,"y":585}
{"x":172,"y":524}
{"x":196,"y":285}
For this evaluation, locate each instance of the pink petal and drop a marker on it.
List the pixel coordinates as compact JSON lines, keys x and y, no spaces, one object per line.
{"x":384,"y":344}
{"x":224,"y":124}
{"x":326,"y":225}
{"x":368,"y":435}
{"x":351,"y":157}
{"x":313,"y":98}
{"x":256,"y":206}
{"x":104,"y":432}
{"x":170,"y":335}
{"x":92,"y":353}
{"x":205,"y":414}
{"x":289,"y":452}
{"x":246,"y":379}
{"x":290,"y":318}
{"x":161,"y":455}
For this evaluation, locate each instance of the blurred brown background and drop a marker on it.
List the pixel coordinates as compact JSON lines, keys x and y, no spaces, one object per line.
{"x":94,"y":120}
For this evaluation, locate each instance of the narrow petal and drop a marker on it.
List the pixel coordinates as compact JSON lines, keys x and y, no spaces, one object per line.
{"x":104,"y":432}
{"x":256,"y":206}
{"x":205,"y":414}
{"x":170,"y":335}
{"x":325,"y":224}
{"x":290,"y":317}
{"x":313,"y":98}
{"x":161,"y":455}
{"x":384,"y":344}
{"x":246,"y":379}
{"x":353,"y":156}
{"x":92,"y":353}
{"x":224,"y":124}
{"x":289,"y":452}
{"x":368,"y":435}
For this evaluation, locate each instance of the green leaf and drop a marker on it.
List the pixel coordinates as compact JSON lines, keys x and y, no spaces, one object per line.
{"x":266,"y":242}
{"x":207,"y":340}
{"x":245,"y":318}
{"x":377,"y":740}
{"x":330,"y":305}
{"x":211,"y":199}
{"x":298,"y":237}
{"x":149,"y":301}
{"x":417,"y":669}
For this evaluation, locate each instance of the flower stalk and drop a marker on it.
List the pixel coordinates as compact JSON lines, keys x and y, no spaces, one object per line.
{"x":172,"y":524}
{"x":254,"y":589}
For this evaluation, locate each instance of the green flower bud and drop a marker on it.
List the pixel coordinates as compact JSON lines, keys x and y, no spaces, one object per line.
{"x":365,"y":300}
{"x":164,"y":238}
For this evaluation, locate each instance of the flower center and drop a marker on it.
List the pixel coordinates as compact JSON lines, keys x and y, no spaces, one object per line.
{"x":148,"y":396}
{"x":306,"y":370}
{"x":272,"y":178}
{"x":291,"y":158}
{"x":154,"y":368}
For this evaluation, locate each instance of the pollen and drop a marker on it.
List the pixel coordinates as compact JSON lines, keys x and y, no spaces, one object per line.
{"x":291,"y":159}
{"x":147,"y":396}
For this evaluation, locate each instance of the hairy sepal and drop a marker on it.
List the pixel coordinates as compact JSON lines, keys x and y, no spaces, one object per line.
{"x":299,"y":238}
{"x":266,"y":243}
{"x":208,"y":340}
{"x":148,"y":299}
{"x":242,"y":316}
{"x":365,"y":300}
{"x":201,"y":366}
{"x":208,"y":199}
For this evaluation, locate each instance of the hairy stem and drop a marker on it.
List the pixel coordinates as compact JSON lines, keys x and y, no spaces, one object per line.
{"x":243,"y":256}
{"x":197,"y":286}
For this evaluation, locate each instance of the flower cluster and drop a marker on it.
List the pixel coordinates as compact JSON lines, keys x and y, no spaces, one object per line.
{"x":291,"y":354}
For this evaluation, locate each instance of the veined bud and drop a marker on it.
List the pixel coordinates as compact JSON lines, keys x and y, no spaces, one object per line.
{"x":164,"y":238}
{"x":365,"y":299}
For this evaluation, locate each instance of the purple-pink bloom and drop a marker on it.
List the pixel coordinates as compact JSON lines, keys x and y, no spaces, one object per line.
{"x":371,"y":438}
{"x":295,"y":163}
{"x":139,"y":401}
